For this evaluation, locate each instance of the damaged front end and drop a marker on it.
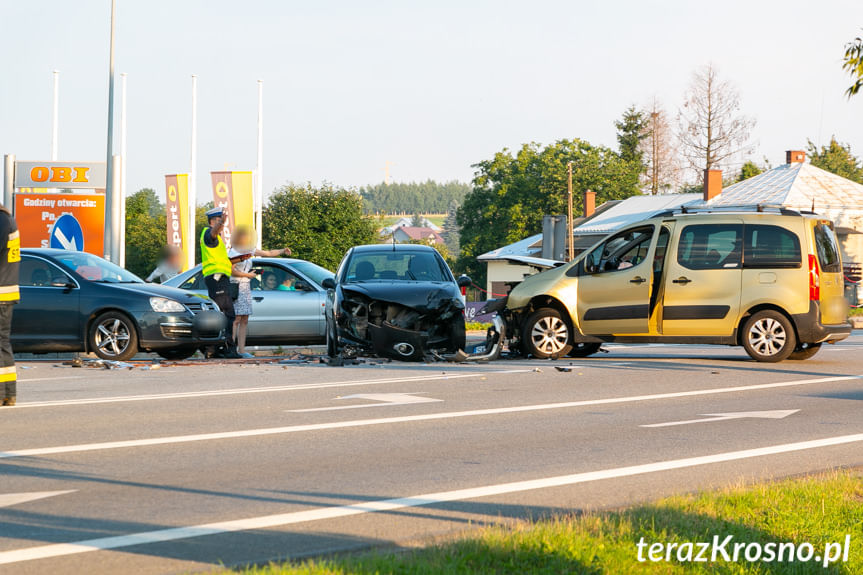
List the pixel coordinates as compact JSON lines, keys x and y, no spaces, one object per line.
{"x":398,"y":331}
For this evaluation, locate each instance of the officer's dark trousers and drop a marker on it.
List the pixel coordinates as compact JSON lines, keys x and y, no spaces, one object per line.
{"x":220,"y":292}
{"x":8,"y":378}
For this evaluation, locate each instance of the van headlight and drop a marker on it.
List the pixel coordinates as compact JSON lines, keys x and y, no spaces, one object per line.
{"x":163,"y":304}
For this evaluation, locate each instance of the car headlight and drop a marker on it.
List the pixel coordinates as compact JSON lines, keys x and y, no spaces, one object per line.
{"x":163,"y":304}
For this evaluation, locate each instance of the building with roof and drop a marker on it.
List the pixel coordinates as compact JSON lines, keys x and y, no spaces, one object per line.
{"x":408,"y":222}
{"x":405,"y":234}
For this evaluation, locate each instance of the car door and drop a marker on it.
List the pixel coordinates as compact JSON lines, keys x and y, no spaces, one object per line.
{"x":48,"y":315}
{"x":703,"y":279}
{"x":614,"y":290}
{"x":282,"y":308}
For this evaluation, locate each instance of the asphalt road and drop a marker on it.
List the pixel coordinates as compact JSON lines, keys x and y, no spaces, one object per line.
{"x":186,"y":468}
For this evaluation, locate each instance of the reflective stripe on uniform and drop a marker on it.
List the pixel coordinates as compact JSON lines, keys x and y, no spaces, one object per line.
{"x":9,"y":293}
{"x":8,"y":374}
{"x":14,"y":235}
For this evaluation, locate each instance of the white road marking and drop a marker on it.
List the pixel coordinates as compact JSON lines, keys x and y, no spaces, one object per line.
{"x":402,"y":419}
{"x":711,"y":417}
{"x":323,"y":513}
{"x":32,"y":379}
{"x":267,"y":389}
{"x":387,"y":399}
{"x":10,"y":499}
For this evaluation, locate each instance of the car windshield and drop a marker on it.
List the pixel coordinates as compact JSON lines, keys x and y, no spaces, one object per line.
{"x":396,"y":266}
{"x":96,"y":269}
{"x":312,"y":271}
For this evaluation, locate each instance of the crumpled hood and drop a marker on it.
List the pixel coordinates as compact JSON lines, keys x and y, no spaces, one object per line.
{"x":417,"y":295}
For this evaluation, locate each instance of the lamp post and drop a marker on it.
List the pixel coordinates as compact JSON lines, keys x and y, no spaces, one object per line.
{"x":112,"y":242}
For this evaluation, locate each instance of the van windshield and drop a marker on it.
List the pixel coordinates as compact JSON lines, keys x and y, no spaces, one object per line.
{"x":827,"y":248}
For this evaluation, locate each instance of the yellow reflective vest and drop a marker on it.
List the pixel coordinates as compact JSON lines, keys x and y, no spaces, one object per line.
{"x":214,"y":260}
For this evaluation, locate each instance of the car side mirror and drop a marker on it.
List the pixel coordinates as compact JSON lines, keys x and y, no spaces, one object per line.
{"x":463,"y":281}
{"x":589,"y":265}
{"x":328,"y":283}
{"x":61,"y":283}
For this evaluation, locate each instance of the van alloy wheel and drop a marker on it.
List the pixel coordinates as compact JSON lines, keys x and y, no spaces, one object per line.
{"x":546,"y":334}
{"x":769,"y":336}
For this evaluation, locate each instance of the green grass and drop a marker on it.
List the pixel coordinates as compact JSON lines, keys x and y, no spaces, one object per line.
{"x":855,"y":312}
{"x":817,"y":510}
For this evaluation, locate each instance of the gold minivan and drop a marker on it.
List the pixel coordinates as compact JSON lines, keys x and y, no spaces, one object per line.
{"x":769,"y":280}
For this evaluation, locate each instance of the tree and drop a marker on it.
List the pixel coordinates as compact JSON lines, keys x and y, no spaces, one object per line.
{"x":748,"y":170}
{"x":659,"y":152}
{"x":145,"y":231}
{"x":836,"y":158}
{"x":450,"y":232}
{"x":853,"y":64}
{"x":631,"y":130}
{"x":418,"y":221}
{"x":319,"y":224}
{"x":427,"y":197}
{"x":711,"y":129}
{"x":511,"y":193}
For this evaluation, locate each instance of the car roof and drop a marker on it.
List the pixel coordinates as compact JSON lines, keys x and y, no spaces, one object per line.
{"x":393,"y":248}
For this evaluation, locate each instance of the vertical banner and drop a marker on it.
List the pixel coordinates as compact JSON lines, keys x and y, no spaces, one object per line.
{"x":177,"y":210}
{"x":233,"y":191}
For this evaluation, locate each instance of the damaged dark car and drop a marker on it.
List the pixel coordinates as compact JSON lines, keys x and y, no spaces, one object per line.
{"x":398,"y":301}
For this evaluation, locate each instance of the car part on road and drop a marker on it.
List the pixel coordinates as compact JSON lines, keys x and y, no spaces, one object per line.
{"x":805,"y":351}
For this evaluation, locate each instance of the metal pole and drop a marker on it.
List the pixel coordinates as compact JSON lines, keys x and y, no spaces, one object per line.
{"x":190,"y":238}
{"x":55,"y":118}
{"x":110,"y":248}
{"x":569,"y":241}
{"x":9,"y":182}
{"x":117,"y":208}
{"x":259,"y":171}
{"x":122,"y":190}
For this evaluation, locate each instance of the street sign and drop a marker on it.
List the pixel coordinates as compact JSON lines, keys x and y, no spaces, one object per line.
{"x":87,"y":175}
{"x":39,"y":220}
{"x":67,"y":234}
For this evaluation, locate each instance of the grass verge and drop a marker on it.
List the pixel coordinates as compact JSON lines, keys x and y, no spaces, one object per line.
{"x":817,"y":510}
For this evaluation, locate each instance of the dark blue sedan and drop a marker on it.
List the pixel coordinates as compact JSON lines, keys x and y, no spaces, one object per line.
{"x":75,"y":301}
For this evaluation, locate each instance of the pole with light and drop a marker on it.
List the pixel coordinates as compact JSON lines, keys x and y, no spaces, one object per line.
{"x":193,"y":196}
{"x":258,"y":201}
{"x":113,"y":201}
{"x":55,"y":118}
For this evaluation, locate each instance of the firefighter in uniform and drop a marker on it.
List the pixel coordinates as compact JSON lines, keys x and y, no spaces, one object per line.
{"x":216,"y":268}
{"x":10,"y":255}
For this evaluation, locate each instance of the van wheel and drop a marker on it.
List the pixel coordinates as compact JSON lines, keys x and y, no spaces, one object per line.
{"x":584,"y":349}
{"x":769,"y":337}
{"x":113,"y":337}
{"x":546,"y":334}
{"x":805,"y":351}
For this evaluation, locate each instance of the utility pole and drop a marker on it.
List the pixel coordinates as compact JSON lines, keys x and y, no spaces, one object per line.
{"x":55,"y":119}
{"x":111,"y":244}
{"x":569,"y":240}
{"x":259,"y":171}
{"x":122,"y":191}
{"x":193,"y":161}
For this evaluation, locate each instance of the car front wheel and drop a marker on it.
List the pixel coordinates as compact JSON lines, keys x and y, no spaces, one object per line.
{"x":113,"y":336}
{"x":546,"y":334}
{"x":769,"y":337}
{"x":805,"y":351}
{"x":332,"y":341}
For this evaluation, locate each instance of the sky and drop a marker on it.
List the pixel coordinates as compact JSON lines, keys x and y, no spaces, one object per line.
{"x":431,"y":87}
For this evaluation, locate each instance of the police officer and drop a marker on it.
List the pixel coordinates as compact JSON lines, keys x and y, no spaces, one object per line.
{"x":217,"y":273}
{"x":10,"y":255}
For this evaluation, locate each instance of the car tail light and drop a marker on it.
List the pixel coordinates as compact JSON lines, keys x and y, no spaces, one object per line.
{"x":814,"y":279}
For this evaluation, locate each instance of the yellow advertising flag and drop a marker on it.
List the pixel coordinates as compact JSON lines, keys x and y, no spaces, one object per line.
{"x":233,"y":191}
{"x":177,"y":211}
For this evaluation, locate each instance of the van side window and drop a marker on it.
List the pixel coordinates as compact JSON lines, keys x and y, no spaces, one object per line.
{"x":827,"y":248}
{"x":710,"y":246}
{"x":770,"y":247}
{"x":625,"y":250}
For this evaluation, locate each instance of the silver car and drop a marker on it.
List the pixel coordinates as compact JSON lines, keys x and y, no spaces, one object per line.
{"x":287,"y":299}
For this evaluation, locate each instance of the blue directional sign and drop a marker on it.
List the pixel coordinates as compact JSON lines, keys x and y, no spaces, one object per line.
{"x":67,"y":234}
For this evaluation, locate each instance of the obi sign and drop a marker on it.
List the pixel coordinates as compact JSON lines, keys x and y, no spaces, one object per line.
{"x":88,"y":175}
{"x":64,"y":221}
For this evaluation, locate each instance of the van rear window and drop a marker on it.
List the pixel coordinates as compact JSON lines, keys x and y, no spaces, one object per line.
{"x":827,"y":248}
{"x":771,"y":247}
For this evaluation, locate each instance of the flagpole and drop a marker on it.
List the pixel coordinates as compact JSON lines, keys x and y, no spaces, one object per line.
{"x":55,"y":119}
{"x":111,"y":243}
{"x":190,"y":238}
{"x":122,"y":191}
{"x":259,"y":170}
